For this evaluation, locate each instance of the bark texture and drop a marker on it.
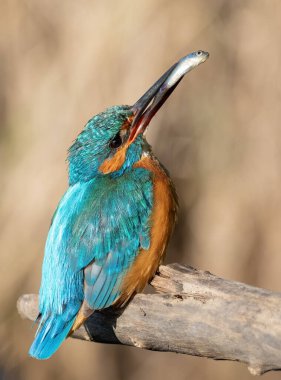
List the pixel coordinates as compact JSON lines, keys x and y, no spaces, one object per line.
{"x":194,"y":313}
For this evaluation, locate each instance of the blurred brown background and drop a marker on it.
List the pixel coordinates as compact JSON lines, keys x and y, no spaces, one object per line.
{"x":219,"y":135}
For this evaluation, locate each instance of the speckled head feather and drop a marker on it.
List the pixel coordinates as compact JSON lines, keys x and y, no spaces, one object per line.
{"x":95,"y":146}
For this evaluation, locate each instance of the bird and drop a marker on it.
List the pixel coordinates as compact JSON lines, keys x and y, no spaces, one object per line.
{"x":111,"y":228}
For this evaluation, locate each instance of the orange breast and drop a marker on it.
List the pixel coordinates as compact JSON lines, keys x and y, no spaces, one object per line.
{"x":162,"y":223}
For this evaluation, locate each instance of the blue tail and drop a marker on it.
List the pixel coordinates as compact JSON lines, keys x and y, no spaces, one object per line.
{"x":52,"y":333}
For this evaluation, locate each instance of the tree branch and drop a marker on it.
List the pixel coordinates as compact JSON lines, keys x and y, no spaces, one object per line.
{"x":196,"y":313}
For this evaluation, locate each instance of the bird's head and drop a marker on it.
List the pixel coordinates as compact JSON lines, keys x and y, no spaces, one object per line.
{"x":113,"y":140}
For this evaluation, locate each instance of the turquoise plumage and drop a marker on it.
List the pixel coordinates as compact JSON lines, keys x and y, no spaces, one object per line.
{"x":105,"y":222}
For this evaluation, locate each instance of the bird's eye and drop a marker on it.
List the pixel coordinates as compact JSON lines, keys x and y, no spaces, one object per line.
{"x":116,"y":141}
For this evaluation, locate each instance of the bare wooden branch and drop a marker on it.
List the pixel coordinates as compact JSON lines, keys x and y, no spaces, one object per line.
{"x":195,"y":313}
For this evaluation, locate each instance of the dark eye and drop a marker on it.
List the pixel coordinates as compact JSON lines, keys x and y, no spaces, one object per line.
{"x":199,"y":52}
{"x":116,"y":141}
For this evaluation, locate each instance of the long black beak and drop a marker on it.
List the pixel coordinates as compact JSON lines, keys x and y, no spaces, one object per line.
{"x":147,"y":106}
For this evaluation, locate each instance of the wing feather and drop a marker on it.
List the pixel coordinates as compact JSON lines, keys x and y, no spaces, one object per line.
{"x":109,"y":232}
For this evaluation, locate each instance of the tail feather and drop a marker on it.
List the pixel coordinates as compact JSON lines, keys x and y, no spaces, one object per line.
{"x":51,"y":333}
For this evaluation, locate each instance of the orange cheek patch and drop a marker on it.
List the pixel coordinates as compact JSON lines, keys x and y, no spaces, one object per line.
{"x":115,"y":162}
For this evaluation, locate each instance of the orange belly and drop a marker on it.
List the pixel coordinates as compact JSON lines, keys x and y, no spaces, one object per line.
{"x":162,"y":223}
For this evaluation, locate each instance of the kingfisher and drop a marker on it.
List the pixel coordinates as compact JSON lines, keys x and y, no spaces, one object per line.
{"x":111,"y":228}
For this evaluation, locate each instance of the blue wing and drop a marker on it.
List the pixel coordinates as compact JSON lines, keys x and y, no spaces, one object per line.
{"x":109,"y":232}
{"x":97,"y":231}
